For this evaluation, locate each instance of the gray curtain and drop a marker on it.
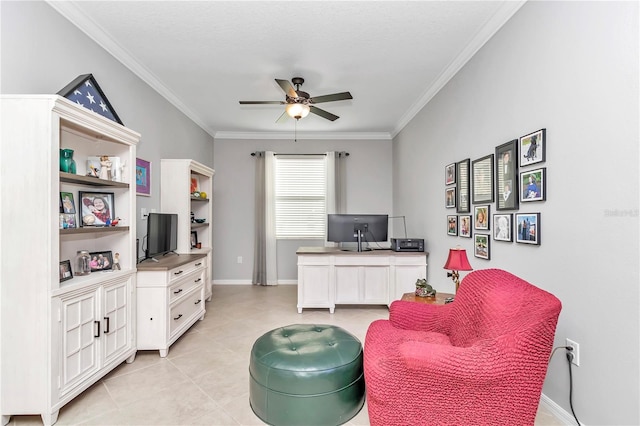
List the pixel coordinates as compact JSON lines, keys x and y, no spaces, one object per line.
{"x":260,"y":246}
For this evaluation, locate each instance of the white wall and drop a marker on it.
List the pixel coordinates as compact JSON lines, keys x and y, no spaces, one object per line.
{"x":368,"y":190}
{"x":42,"y":52}
{"x":572,"y":68}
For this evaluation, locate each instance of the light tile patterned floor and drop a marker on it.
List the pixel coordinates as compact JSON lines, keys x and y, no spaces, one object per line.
{"x":204,"y":380}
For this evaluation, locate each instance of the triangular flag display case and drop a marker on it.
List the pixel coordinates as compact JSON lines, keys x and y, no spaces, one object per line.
{"x":86,"y":92}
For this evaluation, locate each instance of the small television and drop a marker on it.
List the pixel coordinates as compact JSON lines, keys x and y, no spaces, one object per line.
{"x":358,"y":228}
{"x":162,"y":234}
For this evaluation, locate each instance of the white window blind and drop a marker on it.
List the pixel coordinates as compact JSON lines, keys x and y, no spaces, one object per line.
{"x":300,"y":196}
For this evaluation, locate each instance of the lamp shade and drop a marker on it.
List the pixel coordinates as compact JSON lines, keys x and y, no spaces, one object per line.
{"x":297,"y":111}
{"x":457,"y":260}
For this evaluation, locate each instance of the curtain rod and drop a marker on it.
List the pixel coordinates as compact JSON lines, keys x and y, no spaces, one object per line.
{"x":346,"y":154}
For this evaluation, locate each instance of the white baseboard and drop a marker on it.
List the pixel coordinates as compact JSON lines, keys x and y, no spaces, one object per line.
{"x":248,"y":282}
{"x":559,"y":412}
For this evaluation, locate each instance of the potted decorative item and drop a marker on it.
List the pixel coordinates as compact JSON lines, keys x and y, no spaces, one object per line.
{"x":423,"y":289}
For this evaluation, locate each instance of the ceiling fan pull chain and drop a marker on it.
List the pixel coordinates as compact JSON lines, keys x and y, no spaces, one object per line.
{"x":295,"y":131}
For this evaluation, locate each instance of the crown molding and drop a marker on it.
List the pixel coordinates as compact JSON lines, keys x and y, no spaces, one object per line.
{"x":499,"y":18}
{"x":383,"y":136}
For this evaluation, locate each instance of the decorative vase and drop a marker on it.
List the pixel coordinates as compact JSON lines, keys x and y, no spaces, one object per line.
{"x":67,"y":163}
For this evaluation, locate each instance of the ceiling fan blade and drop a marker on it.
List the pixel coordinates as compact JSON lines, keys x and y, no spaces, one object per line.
{"x":287,"y":87}
{"x":261,"y":102}
{"x":330,"y":98}
{"x":322,"y":113}
{"x":284,"y":117}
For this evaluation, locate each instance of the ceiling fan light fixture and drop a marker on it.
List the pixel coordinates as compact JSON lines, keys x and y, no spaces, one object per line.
{"x":297,"y":110}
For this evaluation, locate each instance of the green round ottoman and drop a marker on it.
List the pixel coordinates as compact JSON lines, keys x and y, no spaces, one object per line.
{"x":305,"y":374}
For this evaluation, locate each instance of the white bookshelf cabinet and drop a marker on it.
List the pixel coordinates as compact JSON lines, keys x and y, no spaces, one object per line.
{"x":176,"y":177}
{"x":58,"y":338}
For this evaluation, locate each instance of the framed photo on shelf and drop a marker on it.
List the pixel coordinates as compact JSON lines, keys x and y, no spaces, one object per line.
{"x":482,"y":183}
{"x":481,"y":247}
{"x":68,"y":204}
{"x":450,"y":174}
{"x":528,"y":228}
{"x":101,"y":261}
{"x":67,"y":221}
{"x":462,"y":186}
{"x":533,"y":183}
{"x":143,"y":177}
{"x":452,"y":225}
{"x":507,"y":176}
{"x":450,"y":197}
{"x":533,"y":148}
{"x":481,"y":218}
{"x":65,"y":270}
{"x":502,"y":227}
{"x":194,"y":239}
{"x":96,"y":208}
{"x":464,"y":225}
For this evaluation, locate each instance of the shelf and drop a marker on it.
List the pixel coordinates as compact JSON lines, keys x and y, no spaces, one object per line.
{"x":199,"y":225}
{"x":94,"y":230}
{"x":199,"y":199}
{"x":91,"y":181}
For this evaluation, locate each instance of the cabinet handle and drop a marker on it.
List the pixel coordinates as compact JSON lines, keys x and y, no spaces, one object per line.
{"x":198,"y":301}
{"x":177,"y":273}
{"x":179,"y":291}
{"x":106,"y":329}
{"x":178,"y":317}
{"x":198,"y":280}
{"x":198,"y":264}
{"x":98,"y":329}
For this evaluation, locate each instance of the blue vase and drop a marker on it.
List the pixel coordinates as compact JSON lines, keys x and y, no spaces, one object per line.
{"x":67,"y":163}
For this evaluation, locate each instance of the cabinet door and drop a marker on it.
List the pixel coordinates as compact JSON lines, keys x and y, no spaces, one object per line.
{"x":375,"y":284}
{"x":348,"y":284}
{"x":116,"y":319}
{"x":80,"y":336}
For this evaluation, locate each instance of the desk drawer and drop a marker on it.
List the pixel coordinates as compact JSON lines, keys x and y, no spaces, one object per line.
{"x":186,"y":284}
{"x":184,"y":311}
{"x":179,"y":272}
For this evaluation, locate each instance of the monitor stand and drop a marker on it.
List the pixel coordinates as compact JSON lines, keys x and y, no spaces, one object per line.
{"x":360,"y":241}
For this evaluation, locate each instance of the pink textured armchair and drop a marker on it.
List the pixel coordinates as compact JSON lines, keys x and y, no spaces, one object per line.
{"x":480,"y":360}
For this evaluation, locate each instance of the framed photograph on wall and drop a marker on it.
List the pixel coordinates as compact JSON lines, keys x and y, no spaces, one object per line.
{"x":507,"y":176}
{"x":452,"y":225}
{"x":462,"y":186}
{"x":528,"y":228}
{"x":450,"y":197}
{"x":481,"y":218}
{"x":533,"y":184}
{"x":143,"y":177}
{"x":464,"y":225}
{"x":482,"y":182}
{"x":450,"y":174}
{"x":101,"y":261}
{"x":481,"y":246}
{"x":96,"y":208}
{"x":503,"y":227}
{"x":533,"y":148}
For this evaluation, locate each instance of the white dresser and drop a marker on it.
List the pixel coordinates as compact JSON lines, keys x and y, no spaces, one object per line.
{"x":170,"y":296}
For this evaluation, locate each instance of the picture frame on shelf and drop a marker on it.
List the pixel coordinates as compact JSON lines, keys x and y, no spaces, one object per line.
{"x":503,"y":227}
{"x":68,"y":203}
{"x":506,"y":181}
{"x":528,"y":228}
{"x":533,"y":184}
{"x":463,"y":192}
{"x":96,"y":208}
{"x":450,"y":174}
{"x":452,"y":225}
{"x":450,"y":198}
{"x":464,"y":225}
{"x":67,"y":221}
{"x":194,"y":239}
{"x":481,"y":217}
{"x":65,"y":270}
{"x":481,"y":246}
{"x":533,"y":148}
{"x":143,"y":177}
{"x":482,"y":182}
{"x":101,"y":261}
{"x":85,"y":91}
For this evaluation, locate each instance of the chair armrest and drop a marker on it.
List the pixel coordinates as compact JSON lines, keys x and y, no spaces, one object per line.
{"x":420,"y":316}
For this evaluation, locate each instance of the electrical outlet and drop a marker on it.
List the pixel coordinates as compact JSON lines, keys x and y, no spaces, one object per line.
{"x":575,"y":352}
{"x":143,"y":213}
{"x":239,"y":259}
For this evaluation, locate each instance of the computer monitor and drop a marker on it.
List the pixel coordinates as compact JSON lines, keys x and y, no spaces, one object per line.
{"x":359,"y":228}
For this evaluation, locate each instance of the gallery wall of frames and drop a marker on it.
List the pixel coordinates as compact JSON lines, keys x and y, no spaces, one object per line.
{"x":510,"y":180}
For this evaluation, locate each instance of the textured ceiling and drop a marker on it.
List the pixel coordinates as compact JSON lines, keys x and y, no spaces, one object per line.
{"x":205,"y":56}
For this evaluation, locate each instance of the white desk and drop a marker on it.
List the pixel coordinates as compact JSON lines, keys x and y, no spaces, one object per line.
{"x":329,"y":276}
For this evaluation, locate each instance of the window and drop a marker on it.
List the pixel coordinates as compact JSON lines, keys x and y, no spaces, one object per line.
{"x":300,"y":195}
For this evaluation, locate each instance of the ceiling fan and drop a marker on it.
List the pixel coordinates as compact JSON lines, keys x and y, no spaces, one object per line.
{"x":299,"y":104}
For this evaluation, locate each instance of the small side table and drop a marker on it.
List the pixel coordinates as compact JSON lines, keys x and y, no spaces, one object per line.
{"x":438,"y":300}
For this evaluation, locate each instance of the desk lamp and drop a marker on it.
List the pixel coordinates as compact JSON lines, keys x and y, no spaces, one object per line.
{"x":457,"y":261}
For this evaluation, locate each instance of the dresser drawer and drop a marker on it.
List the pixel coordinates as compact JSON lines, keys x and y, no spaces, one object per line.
{"x":185,"y":310}
{"x":186,"y":284}
{"x":179,"y":272}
